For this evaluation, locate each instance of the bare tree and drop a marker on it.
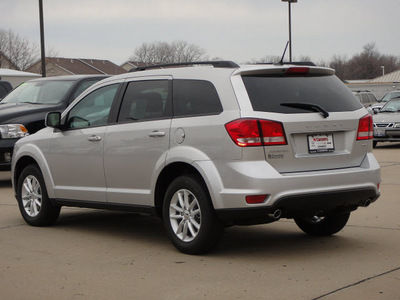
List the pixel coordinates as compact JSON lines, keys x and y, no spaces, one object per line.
{"x":17,"y":49}
{"x":339,"y":63}
{"x":163,"y":52}
{"x":365,"y":65}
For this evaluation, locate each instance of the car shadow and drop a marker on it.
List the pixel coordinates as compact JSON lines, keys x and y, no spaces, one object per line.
{"x":5,"y":184}
{"x":387,"y":145}
{"x":270,"y":239}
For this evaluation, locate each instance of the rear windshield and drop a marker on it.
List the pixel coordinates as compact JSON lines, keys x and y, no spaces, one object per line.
{"x":267,"y":93}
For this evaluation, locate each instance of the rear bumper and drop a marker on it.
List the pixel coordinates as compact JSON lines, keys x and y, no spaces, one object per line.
{"x":391,"y":135}
{"x":301,"y":193}
{"x":302,"y":205}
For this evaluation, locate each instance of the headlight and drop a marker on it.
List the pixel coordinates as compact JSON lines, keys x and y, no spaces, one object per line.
{"x":13,"y":131}
{"x":396,"y":125}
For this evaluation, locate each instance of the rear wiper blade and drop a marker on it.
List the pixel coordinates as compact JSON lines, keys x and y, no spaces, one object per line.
{"x":308,"y":106}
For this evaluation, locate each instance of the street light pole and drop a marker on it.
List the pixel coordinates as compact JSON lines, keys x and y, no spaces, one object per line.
{"x":290,"y":26}
{"x":42,"y":38}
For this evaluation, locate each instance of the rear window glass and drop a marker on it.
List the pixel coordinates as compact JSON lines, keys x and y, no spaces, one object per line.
{"x":267,"y":93}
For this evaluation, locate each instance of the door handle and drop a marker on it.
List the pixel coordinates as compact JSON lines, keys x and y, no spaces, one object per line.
{"x":156,"y":133}
{"x":94,"y":138}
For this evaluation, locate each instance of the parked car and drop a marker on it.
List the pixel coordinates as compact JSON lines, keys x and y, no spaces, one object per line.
{"x":5,"y":88}
{"x":205,"y":147}
{"x":367,"y":98}
{"x":23,"y":111}
{"x":389,"y":96}
{"x":387,"y":123}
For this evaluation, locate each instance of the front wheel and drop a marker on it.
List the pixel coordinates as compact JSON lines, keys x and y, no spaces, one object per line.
{"x":189,"y":217}
{"x":33,"y":202}
{"x":323,"y":226}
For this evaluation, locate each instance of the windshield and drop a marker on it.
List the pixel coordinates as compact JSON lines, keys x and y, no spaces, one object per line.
{"x":391,"y":106}
{"x":391,"y":95}
{"x":39,"y":92}
{"x":282,"y":94}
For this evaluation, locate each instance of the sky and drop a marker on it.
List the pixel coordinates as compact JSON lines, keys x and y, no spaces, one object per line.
{"x":238,"y":30}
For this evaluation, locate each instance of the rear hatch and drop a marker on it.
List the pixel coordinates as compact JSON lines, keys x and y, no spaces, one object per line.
{"x":323,"y":126}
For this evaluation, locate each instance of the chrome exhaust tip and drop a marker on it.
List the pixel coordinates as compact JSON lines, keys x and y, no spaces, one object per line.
{"x":276,"y":214}
{"x":366,"y":203}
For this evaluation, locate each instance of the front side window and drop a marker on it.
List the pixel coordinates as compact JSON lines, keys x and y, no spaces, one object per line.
{"x":93,"y":110}
{"x":195,"y":97}
{"x":146,"y":100}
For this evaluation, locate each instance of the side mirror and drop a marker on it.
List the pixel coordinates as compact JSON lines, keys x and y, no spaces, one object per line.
{"x":53,"y":119}
{"x":376,"y":110}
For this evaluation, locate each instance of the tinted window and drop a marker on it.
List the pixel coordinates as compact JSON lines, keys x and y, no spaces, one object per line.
{"x":146,"y":100}
{"x":372,"y":98}
{"x":93,"y":110}
{"x":268,"y":93}
{"x":365,"y":98}
{"x":195,"y":97}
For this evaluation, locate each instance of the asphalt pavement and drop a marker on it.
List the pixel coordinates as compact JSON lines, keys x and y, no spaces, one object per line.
{"x":93,"y":254}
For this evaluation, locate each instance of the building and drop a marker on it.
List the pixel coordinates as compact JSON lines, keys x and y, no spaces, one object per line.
{"x":6,"y":63}
{"x":57,"y":66}
{"x":16,"y":77}
{"x":133,"y":64}
{"x":379,"y":86}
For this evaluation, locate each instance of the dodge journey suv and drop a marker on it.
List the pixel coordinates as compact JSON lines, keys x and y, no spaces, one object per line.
{"x":205,"y":147}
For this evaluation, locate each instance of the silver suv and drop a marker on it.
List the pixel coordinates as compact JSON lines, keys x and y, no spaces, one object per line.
{"x":205,"y":147}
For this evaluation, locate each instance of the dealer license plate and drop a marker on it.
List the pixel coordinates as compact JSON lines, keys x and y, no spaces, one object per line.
{"x":320,"y":143}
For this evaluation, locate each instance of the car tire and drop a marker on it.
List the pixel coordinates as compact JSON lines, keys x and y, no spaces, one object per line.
{"x":374,"y":144}
{"x":33,"y":201}
{"x":322,"y":226}
{"x":189,"y":217}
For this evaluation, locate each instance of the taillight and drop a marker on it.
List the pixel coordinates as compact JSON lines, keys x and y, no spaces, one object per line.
{"x":272,"y":133}
{"x":297,"y":71}
{"x":365,"y":128}
{"x":254,"y":132}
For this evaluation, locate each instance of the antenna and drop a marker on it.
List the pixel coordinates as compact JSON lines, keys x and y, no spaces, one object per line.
{"x":284,"y":52}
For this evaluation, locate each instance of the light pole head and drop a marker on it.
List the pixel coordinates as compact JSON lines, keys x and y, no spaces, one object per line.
{"x":291,"y":1}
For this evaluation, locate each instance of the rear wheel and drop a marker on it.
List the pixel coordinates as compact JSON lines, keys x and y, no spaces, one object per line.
{"x":374,"y":144}
{"x":323,"y":226}
{"x":33,"y":202}
{"x":189,"y":217}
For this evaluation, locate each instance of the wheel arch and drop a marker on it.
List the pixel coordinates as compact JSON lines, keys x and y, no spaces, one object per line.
{"x":32,"y":155}
{"x":167,"y":175}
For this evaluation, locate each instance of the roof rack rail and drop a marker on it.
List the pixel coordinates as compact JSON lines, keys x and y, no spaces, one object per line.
{"x":215,"y":64}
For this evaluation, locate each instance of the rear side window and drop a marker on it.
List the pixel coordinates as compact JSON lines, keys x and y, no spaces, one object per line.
{"x":195,"y":97}
{"x":267,"y":93}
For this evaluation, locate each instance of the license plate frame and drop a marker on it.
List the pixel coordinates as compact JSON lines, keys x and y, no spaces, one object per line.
{"x":320,"y":143}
